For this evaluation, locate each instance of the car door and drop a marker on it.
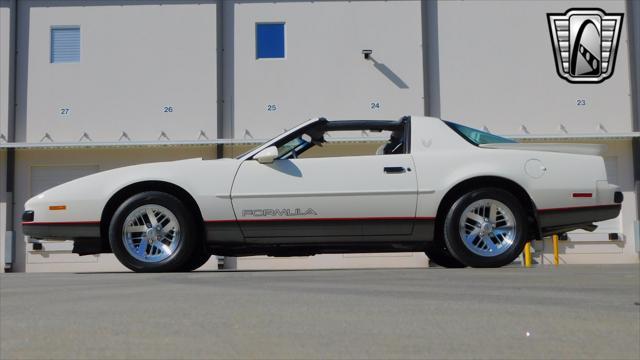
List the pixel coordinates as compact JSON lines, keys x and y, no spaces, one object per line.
{"x":326,"y":199}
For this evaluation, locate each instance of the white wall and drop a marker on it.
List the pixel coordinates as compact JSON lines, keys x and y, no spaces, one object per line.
{"x":324,"y":72}
{"x":497,"y":70}
{"x":136,"y":58}
{"x":5,"y":86}
{"x":5,"y":60}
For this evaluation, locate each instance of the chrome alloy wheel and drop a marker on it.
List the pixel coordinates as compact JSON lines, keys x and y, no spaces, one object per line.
{"x":151,"y":233}
{"x":487,"y":227}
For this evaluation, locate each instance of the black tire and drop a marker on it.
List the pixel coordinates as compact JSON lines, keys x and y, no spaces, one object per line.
{"x":455,"y":243}
{"x":438,"y":253}
{"x":185,"y":249}
{"x":198,"y":259}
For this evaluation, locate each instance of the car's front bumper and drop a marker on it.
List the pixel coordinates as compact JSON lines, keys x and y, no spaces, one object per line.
{"x":85,"y":234}
{"x":61,"y":231}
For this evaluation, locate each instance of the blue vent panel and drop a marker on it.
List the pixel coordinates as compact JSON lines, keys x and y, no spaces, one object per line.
{"x":65,"y":45}
{"x":270,"y":41}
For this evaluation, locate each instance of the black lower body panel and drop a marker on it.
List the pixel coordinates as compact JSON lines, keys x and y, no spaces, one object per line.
{"x":555,"y":221}
{"x":85,"y":236}
{"x":302,"y":238}
{"x":325,"y":228}
{"x":62,"y":231}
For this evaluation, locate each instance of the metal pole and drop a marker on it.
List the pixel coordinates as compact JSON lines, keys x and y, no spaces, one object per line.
{"x":9,"y":261}
{"x":556,"y":257}
{"x":527,"y":254}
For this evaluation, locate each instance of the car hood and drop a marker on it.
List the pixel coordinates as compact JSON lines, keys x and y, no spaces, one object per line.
{"x":581,"y":149}
{"x":179,"y":172}
{"x":85,"y":197}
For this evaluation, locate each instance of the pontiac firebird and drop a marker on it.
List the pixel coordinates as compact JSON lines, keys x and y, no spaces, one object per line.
{"x":462,"y":196}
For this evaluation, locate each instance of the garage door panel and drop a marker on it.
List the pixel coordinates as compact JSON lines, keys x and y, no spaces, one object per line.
{"x":46,"y":177}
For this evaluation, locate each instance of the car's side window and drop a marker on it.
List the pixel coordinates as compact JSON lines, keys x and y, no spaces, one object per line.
{"x":339,"y":139}
{"x":292,"y":147}
{"x":339,"y":149}
{"x":342,"y":143}
{"x":395,"y":145}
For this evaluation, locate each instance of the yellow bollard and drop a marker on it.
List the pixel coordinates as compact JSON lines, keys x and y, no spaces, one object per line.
{"x":527,"y":254}
{"x":556,"y":258}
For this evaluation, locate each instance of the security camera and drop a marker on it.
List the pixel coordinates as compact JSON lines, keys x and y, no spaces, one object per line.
{"x":367,"y":54}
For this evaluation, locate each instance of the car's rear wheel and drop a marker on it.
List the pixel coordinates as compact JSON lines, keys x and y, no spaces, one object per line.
{"x":153,"y":232}
{"x":486,"y":228}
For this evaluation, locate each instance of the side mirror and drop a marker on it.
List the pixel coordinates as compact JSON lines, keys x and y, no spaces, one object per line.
{"x":266,"y":156}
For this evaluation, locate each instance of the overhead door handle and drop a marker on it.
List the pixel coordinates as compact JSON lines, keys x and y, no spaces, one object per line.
{"x":394,"y":169}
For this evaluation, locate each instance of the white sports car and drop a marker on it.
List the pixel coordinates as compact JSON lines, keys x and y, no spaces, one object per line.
{"x":462,"y":196}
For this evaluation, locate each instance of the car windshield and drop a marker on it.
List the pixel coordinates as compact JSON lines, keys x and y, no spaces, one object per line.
{"x":477,"y":137}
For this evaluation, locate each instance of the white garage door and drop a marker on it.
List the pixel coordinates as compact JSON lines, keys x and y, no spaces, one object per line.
{"x":46,"y":177}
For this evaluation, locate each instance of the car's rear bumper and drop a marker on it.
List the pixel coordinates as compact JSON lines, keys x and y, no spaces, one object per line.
{"x":555,"y":221}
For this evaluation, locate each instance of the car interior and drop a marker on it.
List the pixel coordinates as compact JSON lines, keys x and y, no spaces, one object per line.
{"x":314,"y":136}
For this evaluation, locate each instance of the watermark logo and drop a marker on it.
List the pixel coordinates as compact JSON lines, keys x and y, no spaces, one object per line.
{"x":585,"y":43}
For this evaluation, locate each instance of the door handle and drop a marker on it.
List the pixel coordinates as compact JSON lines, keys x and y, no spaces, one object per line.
{"x":394,"y":170}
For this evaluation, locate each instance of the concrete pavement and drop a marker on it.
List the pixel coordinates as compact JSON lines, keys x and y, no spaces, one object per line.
{"x":573,"y":311}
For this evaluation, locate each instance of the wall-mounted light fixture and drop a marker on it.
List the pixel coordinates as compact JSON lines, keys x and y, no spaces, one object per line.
{"x":367,"y":53}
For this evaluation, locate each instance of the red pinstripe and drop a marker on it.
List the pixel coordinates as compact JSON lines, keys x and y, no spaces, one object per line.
{"x":324,"y":219}
{"x":244,"y":220}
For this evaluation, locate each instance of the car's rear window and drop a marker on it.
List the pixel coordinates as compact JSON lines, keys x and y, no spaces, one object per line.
{"x":477,"y":137}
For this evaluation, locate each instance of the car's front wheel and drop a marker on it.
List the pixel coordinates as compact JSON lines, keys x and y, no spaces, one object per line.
{"x":486,"y":228}
{"x":198,"y":259}
{"x":153,"y":232}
